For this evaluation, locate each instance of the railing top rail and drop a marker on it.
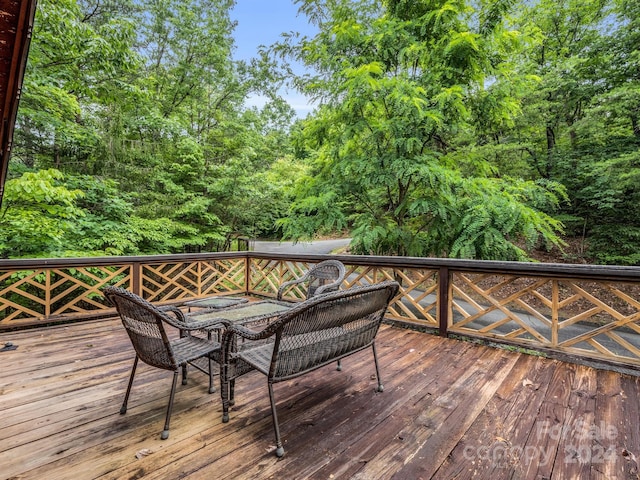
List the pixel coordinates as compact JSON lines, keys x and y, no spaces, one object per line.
{"x":34,"y":263}
{"x":556,"y":270}
{"x":594,"y":272}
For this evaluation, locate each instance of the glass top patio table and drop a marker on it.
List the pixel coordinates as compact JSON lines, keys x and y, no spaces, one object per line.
{"x":245,"y":313}
{"x":216,"y":302}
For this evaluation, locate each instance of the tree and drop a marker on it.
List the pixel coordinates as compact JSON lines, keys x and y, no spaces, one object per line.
{"x":396,"y":80}
{"x":74,"y":66}
{"x":151,"y":121}
{"x":608,"y":151}
{"x":37,"y":214}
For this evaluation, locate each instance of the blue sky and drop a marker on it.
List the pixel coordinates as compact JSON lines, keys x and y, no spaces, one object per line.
{"x":260,"y":22}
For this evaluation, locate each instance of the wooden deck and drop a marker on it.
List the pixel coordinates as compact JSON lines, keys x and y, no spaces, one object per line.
{"x":450,"y":409}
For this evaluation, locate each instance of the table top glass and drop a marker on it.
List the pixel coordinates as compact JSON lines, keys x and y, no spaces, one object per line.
{"x":244,"y":312}
{"x":216,"y":302}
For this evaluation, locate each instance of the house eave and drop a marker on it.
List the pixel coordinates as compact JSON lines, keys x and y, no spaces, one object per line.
{"x":16,"y":28}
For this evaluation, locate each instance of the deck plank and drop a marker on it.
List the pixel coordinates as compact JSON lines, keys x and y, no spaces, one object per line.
{"x":341,"y":445}
{"x":450,"y":409}
{"x":506,"y":422}
{"x":300,"y":409}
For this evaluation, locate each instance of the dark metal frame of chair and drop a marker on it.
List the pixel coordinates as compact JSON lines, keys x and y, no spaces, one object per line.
{"x":145,"y":325}
{"x":326,"y":276}
{"x":311,"y":335}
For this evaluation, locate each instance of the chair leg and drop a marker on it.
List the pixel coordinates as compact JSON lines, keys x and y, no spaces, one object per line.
{"x":123,"y":409}
{"x":227,"y":391}
{"x":184,"y":374}
{"x":224,"y":392}
{"x":165,"y":432}
{"x":212,"y":387}
{"x":339,"y":367}
{"x":276,"y":428}
{"x":232,"y":392}
{"x":375,"y":360}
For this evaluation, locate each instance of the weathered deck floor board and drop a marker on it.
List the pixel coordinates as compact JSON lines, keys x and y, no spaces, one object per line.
{"x":450,"y":409}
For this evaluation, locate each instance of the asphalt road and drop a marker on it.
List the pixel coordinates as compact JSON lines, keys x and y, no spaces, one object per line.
{"x":318,"y":247}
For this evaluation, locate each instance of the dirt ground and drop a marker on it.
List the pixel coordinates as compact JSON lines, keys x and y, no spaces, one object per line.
{"x":572,"y":253}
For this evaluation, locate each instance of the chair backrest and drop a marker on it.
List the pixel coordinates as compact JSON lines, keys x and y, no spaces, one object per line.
{"x":144,"y":324}
{"x":324,"y":273}
{"x":328,"y":327}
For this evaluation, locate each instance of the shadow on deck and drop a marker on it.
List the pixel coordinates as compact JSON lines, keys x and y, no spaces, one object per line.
{"x":450,"y":409}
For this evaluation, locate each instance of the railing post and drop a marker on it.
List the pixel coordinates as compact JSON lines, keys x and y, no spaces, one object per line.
{"x":247,"y":273}
{"x":47,"y":293}
{"x":444,"y":280}
{"x":136,"y":278}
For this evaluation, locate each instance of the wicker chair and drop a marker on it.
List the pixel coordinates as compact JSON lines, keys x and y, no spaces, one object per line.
{"x":145,"y":325}
{"x":326,"y":276}
{"x":313,"y":334}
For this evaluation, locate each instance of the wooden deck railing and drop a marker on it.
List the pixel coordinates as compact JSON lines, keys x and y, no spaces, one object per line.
{"x":578,"y":310}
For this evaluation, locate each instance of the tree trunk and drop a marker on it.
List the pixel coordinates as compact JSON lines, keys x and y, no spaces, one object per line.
{"x":551,"y":145}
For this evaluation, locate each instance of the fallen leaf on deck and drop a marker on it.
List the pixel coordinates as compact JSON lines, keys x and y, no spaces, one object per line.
{"x":143,"y":453}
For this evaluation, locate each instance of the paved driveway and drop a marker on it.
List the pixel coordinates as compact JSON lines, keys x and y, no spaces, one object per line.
{"x":317,"y":247}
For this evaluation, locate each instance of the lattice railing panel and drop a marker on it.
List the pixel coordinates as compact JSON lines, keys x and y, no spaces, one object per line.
{"x":417,"y":301}
{"x":170,"y":281}
{"x":40,"y":294}
{"x":597,"y":319}
{"x":223,"y":276}
{"x":266,"y":276}
{"x":185,"y":280}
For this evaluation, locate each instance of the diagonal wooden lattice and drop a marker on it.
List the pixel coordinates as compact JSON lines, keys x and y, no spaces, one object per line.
{"x":39,"y":294}
{"x":185,"y":280}
{"x":596,"y":319}
{"x":265,"y":276}
{"x":223,"y":276}
{"x":417,"y":301}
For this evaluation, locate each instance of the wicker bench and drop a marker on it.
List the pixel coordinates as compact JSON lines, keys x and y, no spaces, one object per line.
{"x":316,"y":332}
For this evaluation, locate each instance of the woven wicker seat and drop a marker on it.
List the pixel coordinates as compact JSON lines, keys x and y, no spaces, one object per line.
{"x":314,"y":333}
{"x":145,"y":325}
{"x":326,"y":276}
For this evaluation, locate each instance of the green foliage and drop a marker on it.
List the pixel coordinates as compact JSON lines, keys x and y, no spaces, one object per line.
{"x":142,"y":107}
{"x":73,"y":65}
{"x":37,"y":214}
{"x":444,"y":127}
{"x":383,"y":142}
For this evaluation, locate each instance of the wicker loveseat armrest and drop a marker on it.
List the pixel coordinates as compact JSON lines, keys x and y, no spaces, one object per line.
{"x":247,"y":333}
{"x":233,"y":331}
